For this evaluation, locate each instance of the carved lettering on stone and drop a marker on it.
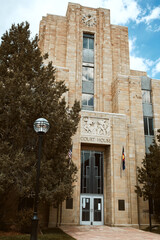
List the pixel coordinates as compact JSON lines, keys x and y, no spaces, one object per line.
{"x":95,"y":126}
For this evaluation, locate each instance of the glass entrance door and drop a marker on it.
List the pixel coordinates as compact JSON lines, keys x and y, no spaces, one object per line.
{"x":91,"y":210}
{"x":91,"y":202}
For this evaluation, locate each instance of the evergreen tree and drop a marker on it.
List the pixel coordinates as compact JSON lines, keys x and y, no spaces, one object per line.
{"x":29,"y":90}
{"x":149,"y":178}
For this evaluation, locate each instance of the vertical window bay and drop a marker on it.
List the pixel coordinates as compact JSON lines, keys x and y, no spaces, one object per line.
{"x":88,"y":72}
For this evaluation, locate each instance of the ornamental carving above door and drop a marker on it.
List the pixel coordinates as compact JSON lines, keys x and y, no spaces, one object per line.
{"x":95,"y":126}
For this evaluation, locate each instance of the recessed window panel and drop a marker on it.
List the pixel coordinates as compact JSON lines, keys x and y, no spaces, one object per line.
{"x":90,"y":100}
{"x":88,"y":48}
{"x":145,"y":126}
{"x":146,"y":96}
{"x":91,"y":43}
{"x":85,"y":42}
{"x":87,"y":74}
{"x":69,"y":203}
{"x":148,"y":126}
{"x":121,"y":205}
{"x":92,"y":172}
{"x":88,"y":55}
{"x":151,"y":131}
{"x":87,"y":100}
{"x":86,"y":163}
{"x":88,"y":41}
{"x":84,"y":100}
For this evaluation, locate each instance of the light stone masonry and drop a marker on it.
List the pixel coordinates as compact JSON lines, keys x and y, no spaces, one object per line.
{"x":116,"y":121}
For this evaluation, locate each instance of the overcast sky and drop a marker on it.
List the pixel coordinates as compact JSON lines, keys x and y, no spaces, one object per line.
{"x":142,"y":17}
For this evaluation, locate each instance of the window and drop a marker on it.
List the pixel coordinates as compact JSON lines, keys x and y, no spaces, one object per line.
{"x":88,"y":48}
{"x":146,"y":96}
{"x":91,"y":172}
{"x":69,"y":203}
{"x":87,"y":100}
{"x":121,"y":205}
{"x":148,"y":126}
{"x":88,"y":41}
{"x":87,"y":73}
{"x":151,"y":130}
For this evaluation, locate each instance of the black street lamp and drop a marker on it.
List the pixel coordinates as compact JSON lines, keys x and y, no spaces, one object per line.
{"x":41,"y":126}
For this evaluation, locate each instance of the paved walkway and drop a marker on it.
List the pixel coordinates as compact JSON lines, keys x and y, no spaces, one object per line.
{"x":108,"y":233}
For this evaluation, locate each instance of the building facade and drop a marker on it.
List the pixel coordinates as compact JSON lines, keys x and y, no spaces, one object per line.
{"x":119,"y":118}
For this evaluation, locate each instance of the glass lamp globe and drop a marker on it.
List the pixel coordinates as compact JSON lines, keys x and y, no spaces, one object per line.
{"x":41,"y":125}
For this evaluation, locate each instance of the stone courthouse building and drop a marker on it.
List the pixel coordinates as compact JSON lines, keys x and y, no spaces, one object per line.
{"x":120,"y":114}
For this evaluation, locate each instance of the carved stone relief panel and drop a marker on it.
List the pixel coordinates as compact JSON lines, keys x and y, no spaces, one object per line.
{"x":95,"y":130}
{"x":95,"y":126}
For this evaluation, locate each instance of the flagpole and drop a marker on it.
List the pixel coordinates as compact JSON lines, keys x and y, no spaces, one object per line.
{"x":122,"y":165}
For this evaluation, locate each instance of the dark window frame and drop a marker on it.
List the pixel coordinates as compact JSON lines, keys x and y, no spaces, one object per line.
{"x":148,"y":126}
{"x":69,"y":203}
{"x":92,"y":172}
{"x":87,"y":105}
{"x":89,"y":67}
{"x":88,"y":37}
{"x":88,"y":62}
{"x":121,"y":205}
{"x":150,"y":96}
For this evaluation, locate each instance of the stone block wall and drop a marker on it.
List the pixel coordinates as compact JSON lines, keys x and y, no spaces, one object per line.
{"x":155,"y":94}
{"x":117,"y":96}
{"x":52,"y":34}
{"x":120,"y":50}
{"x":62,"y":38}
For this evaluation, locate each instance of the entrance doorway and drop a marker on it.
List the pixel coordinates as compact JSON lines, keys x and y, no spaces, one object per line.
{"x":91,"y":201}
{"x":91,"y":210}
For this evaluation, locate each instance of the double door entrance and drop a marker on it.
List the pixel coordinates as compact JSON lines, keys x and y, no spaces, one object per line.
{"x":91,"y":201}
{"x":91,"y":210}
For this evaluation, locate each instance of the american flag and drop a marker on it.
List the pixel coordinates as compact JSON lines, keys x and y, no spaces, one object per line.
{"x":70,"y":153}
{"x":123,"y":159}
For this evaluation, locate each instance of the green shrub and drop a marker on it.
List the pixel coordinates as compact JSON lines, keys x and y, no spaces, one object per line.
{"x":23,"y":220}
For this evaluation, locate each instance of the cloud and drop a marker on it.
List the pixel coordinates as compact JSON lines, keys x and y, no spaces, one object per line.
{"x":153,"y":28}
{"x":15,"y":12}
{"x":156,"y":69}
{"x":41,"y":8}
{"x":146,"y":65}
{"x":154,"y":15}
{"x":136,"y":62}
{"x":132,"y":45}
{"x":129,"y":10}
{"x":141,"y":64}
{"x":157,"y":29}
{"x":33,"y":11}
{"x":122,"y":11}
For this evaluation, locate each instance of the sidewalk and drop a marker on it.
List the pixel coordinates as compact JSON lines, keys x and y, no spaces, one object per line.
{"x":109,"y":233}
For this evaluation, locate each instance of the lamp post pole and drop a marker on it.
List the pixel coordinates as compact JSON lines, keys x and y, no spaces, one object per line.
{"x":41,"y":126}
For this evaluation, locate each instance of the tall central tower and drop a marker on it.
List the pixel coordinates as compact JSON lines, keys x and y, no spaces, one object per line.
{"x":92,"y":57}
